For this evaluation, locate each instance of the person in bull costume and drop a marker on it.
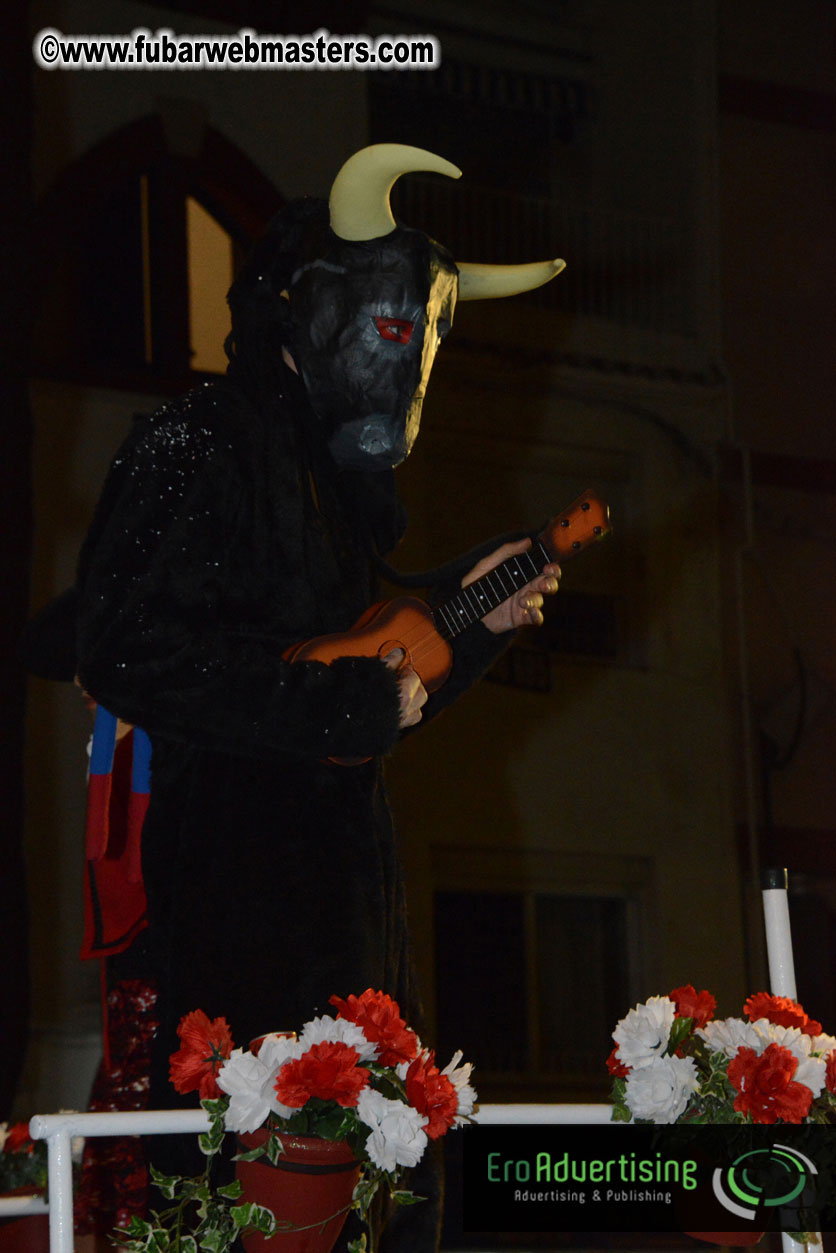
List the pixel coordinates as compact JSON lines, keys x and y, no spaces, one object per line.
{"x":251,"y":514}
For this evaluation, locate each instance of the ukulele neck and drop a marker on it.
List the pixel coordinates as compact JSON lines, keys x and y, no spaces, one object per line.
{"x":476,"y":600}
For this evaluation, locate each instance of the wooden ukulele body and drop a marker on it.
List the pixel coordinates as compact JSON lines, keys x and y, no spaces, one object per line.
{"x":404,"y":623}
{"x":410,"y":624}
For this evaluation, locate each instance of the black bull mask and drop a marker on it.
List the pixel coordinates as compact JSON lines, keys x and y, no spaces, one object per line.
{"x":369,"y":320}
{"x":369,"y":314}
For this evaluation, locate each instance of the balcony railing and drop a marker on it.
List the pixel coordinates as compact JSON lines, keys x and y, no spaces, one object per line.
{"x":626,"y":268}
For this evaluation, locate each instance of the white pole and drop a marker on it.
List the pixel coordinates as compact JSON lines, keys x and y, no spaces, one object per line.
{"x":60,"y":1168}
{"x":776,"y":916}
{"x":58,"y":1131}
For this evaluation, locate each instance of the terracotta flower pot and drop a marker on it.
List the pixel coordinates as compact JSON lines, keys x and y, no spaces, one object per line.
{"x":309,"y":1191}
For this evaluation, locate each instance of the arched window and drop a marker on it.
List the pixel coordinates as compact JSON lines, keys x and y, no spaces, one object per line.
{"x":137,"y":248}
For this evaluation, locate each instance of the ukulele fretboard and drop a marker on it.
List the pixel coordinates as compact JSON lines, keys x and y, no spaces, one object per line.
{"x":479,"y":598}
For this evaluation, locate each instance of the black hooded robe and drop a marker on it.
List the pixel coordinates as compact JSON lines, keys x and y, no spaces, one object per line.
{"x":272,"y":875}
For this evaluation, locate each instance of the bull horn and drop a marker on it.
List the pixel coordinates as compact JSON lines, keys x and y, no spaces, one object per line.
{"x":481,"y":282}
{"x":359,"y":200}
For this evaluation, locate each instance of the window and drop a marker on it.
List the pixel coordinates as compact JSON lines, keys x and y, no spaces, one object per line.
{"x":139,"y":247}
{"x":518,"y":970}
{"x":528,"y":944}
{"x":538,"y":954}
{"x":210,"y":269}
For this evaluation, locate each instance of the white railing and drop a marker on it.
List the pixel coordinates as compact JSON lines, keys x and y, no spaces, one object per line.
{"x":22,"y":1206}
{"x":59,"y":1129}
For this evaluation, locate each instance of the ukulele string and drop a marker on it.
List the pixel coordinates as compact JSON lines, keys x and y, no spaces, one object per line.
{"x":421,"y":639}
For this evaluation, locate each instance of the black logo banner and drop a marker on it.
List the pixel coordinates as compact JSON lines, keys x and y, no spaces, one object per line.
{"x":629,"y":1177}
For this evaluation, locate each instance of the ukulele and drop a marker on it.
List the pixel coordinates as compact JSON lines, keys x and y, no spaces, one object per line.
{"x":423,"y":632}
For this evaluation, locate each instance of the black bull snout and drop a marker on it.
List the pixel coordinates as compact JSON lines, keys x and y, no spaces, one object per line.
{"x":378,"y":441}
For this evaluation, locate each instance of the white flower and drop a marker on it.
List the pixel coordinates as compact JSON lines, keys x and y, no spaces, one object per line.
{"x":812,"y":1073}
{"x":275,"y":1051}
{"x":727,"y":1035}
{"x":243,"y":1077}
{"x":821,"y":1045}
{"x":661,"y":1089}
{"x":644,"y":1034}
{"x":459,"y":1076}
{"x":792,"y":1038}
{"x":402,"y":1067}
{"x":338,"y":1030}
{"x":397,"y":1136}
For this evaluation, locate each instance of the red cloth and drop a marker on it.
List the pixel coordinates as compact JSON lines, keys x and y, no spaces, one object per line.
{"x":114,"y":896}
{"x":114,"y":1177}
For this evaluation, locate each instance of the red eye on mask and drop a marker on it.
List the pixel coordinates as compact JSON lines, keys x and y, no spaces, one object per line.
{"x":396,"y":329}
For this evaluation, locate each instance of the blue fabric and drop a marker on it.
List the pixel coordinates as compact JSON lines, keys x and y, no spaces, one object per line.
{"x":104,"y":742}
{"x":141,"y":767}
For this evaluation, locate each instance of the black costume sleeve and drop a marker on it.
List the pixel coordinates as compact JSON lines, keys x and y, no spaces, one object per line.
{"x":160,"y":637}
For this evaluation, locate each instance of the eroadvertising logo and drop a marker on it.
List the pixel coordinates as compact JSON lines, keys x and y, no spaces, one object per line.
{"x":770,"y":1177}
{"x":639,"y":1177}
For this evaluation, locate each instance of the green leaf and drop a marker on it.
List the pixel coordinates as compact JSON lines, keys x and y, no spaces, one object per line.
{"x":251,"y":1155}
{"x":402,"y":1197}
{"x":620,"y":1113}
{"x":137,"y":1226}
{"x":265,"y":1220}
{"x":255,"y":1217}
{"x":680,"y":1031}
{"x":207,"y":1145}
{"x":217,"y":1107}
{"x":358,"y":1246}
{"x":231,"y":1191}
{"x":274,"y":1149}
{"x":158,"y":1241}
{"x":167,"y":1184}
{"x":188,"y":1244}
{"x":334,"y":1125}
{"x":364,"y":1191}
{"x":214,"y":1242}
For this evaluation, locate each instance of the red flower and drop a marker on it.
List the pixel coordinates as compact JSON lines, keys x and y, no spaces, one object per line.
{"x":432,"y":1094}
{"x":780,"y":1010}
{"x":693,"y":1004}
{"x":765,"y":1085}
{"x":327,"y":1070}
{"x":18,"y":1139}
{"x":830,"y":1071}
{"x":380,"y":1019}
{"x":205,"y":1046}
{"x":616,"y":1066}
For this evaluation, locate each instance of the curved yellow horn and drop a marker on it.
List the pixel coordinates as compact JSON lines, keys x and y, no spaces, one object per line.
{"x":482,"y":282}
{"x":359,"y":200}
